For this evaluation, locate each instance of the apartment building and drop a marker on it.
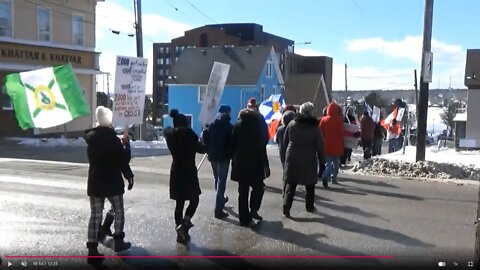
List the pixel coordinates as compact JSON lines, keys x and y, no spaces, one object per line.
{"x":41,"y":33}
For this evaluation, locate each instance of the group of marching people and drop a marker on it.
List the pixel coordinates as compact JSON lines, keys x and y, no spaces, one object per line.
{"x":310,"y":148}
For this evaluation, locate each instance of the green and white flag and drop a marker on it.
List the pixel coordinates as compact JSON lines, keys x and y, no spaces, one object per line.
{"x":46,"y":97}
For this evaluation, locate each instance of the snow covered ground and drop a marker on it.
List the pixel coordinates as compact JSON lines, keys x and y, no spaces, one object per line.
{"x":80,"y":142}
{"x":443,"y":164}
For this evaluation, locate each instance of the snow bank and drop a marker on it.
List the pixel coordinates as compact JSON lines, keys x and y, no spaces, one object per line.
{"x":52,"y":142}
{"x":443,"y":164}
{"x":80,"y":142}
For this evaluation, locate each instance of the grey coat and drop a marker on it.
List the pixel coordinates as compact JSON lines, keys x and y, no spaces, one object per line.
{"x":302,"y":150}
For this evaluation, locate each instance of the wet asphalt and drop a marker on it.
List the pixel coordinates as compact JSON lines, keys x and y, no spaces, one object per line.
{"x":44,"y":211}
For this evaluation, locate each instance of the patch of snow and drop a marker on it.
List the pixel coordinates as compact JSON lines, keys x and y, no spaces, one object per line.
{"x":443,"y":164}
{"x":52,"y":142}
{"x":80,"y":142}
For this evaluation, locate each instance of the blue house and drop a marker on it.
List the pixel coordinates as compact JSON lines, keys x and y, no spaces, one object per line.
{"x":254,"y":73}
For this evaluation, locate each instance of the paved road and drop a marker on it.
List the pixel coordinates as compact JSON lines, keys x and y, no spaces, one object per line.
{"x":44,"y":211}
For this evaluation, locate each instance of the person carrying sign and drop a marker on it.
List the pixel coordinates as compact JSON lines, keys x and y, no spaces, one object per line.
{"x":108,"y":158}
{"x":183,"y":144}
{"x":217,"y":141}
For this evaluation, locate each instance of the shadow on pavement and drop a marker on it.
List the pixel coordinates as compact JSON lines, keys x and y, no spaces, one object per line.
{"x":347,"y":209}
{"x":375,"y":232}
{"x":276,"y":230}
{"x":370,"y":183}
{"x":224,"y":263}
{"x":147,"y":263}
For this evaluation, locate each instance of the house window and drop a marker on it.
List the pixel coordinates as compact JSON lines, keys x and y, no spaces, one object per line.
{"x":5,"y":19}
{"x":274,"y":90}
{"x":78,"y":29}
{"x":269,"y":69}
{"x":6,"y":103}
{"x":262,"y":93}
{"x":202,"y":90}
{"x":44,"y":24}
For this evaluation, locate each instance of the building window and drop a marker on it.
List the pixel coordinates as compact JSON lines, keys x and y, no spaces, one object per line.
{"x":176,"y":59}
{"x":167,"y":61}
{"x":167,"y":72}
{"x":44,"y":23}
{"x":161,"y":49}
{"x":160,"y":72}
{"x":78,"y":29}
{"x":5,"y":19}
{"x":262,"y":93}
{"x":202,"y":91}
{"x":167,"y":50}
{"x":203,"y":40}
{"x":269,"y":69}
{"x":160,"y":83}
{"x":159,"y":61}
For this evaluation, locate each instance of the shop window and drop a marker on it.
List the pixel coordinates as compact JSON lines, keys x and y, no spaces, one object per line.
{"x":78,"y":29}
{"x":5,"y":18}
{"x":44,"y":23}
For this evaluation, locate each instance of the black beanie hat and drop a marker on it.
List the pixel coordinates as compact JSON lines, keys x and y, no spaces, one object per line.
{"x":179,"y":120}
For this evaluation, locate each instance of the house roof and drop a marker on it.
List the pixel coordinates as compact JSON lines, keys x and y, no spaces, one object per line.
{"x":246,"y":64}
{"x":301,"y":88}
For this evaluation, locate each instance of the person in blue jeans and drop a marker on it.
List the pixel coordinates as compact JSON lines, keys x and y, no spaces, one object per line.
{"x":217,"y":141}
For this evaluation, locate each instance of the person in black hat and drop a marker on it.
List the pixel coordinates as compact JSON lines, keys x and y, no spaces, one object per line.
{"x":183,"y":144}
{"x":217,"y":141}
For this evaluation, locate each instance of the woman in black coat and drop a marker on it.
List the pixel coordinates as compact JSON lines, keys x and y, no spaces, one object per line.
{"x":302,"y":152}
{"x":249,"y":164}
{"x":183,"y":144}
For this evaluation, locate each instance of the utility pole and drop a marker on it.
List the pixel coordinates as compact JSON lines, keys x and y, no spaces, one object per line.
{"x":346,"y":87}
{"x":423,"y":99}
{"x":416,"y":97}
{"x":139,"y":36}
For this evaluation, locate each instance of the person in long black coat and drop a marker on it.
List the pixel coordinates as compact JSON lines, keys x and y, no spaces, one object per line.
{"x":108,"y":159}
{"x":183,"y":144}
{"x":249,"y":164}
{"x":302,"y":152}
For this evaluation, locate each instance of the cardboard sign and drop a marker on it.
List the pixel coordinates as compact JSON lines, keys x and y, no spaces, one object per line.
{"x":129,"y":98}
{"x":216,"y":83}
{"x":350,"y":142}
{"x":376,"y":114}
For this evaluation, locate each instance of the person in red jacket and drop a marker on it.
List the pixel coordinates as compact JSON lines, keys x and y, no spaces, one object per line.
{"x":333,"y":135}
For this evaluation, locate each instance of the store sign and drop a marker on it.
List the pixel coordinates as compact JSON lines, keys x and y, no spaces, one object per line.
{"x":39,"y":56}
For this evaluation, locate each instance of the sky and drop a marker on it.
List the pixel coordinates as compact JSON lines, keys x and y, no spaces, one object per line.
{"x":380,"y":40}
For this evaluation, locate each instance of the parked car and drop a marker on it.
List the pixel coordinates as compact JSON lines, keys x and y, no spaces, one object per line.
{"x":153,"y":132}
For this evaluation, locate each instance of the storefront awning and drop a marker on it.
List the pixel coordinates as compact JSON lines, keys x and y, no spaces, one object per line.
{"x":20,"y":67}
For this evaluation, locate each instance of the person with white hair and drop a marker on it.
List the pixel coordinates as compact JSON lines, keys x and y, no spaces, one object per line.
{"x":108,"y":158}
{"x":302,"y":152}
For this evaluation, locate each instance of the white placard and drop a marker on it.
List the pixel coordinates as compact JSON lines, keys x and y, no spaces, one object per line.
{"x":216,"y":83}
{"x":376,"y":114}
{"x":129,"y":98}
{"x":401,"y":112}
{"x":427,"y":69}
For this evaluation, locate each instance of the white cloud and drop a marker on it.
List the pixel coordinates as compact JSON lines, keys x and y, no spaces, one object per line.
{"x":409,"y":48}
{"x":366,"y":77}
{"x":112,"y":16}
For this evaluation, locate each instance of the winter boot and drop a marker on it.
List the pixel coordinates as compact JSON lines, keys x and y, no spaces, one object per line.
{"x":182,"y":234}
{"x":187,"y":224}
{"x":119,"y":244}
{"x":93,"y":251}
{"x":105,"y":228}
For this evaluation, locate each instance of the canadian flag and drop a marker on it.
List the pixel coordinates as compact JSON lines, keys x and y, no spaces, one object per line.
{"x":396,"y":114}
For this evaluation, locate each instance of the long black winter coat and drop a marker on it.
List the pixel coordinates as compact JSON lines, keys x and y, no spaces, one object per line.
{"x":217,"y":139}
{"x":249,"y":149}
{"x":108,"y":159}
{"x":302,"y":150}
{"x":183,"y":145}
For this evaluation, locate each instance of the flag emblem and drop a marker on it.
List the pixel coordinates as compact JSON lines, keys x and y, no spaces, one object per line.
{"x":46,"y":97}
{"x":272,"y":108}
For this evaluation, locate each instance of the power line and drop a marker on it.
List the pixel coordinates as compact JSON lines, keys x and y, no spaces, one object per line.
{"x":363,"y":16}
{"x":179,"y":10}
{"x":380,"y":77}
{"x":199,"y":11}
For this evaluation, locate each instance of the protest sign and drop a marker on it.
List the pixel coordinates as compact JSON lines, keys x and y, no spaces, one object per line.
{"x":214,"y":92}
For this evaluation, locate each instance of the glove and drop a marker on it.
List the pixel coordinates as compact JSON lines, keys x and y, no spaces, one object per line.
{"x":130,"y":183}
{"x":267,"y":172}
